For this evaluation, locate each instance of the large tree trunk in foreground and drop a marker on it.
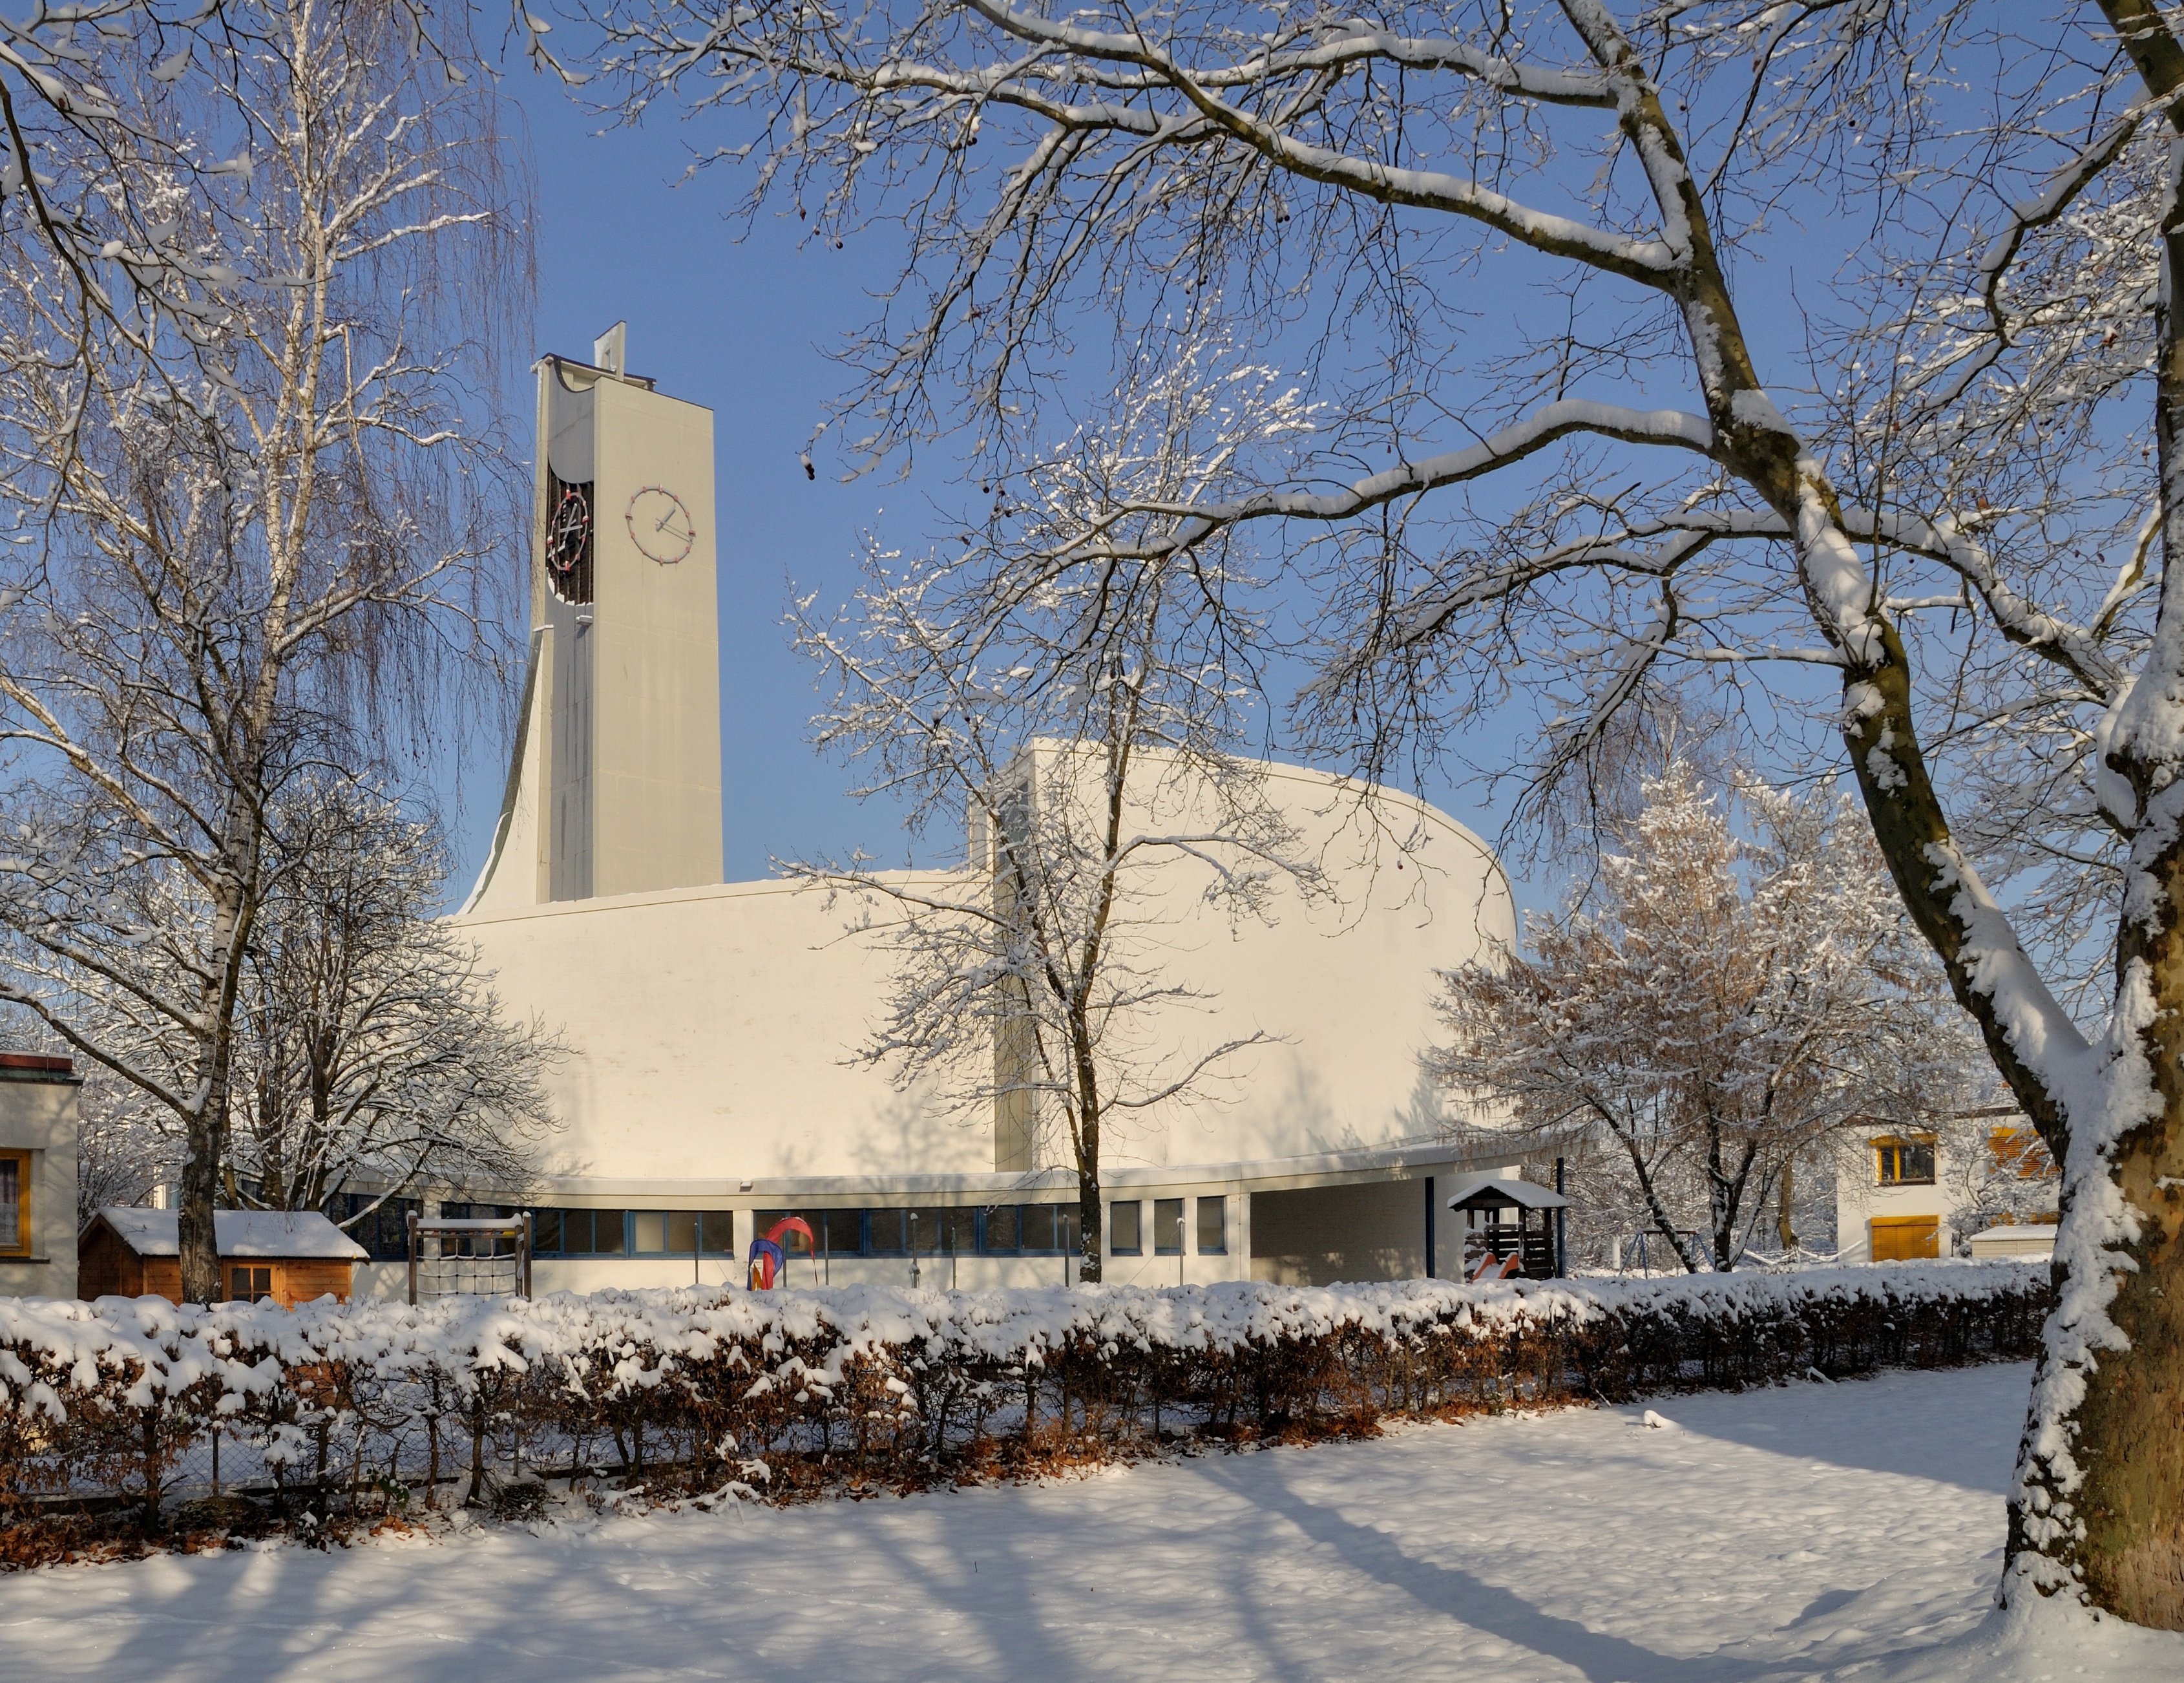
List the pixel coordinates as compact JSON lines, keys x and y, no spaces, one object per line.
{"x":2100,"y":1496}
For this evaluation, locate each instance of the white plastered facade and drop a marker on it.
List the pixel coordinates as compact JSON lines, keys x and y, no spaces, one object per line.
{"x":38,"y":1132}
{"x":715,"y":1026}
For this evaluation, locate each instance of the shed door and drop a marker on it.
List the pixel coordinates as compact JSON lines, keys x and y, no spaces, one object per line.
{"x":1906,"y":1239}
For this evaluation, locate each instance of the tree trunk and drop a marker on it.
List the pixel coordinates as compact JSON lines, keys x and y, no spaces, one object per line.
{"x":234,"y":909}
{"x":1087,"y":1159}
{"x":1784,"y":1232}
{"x":2099,"y":1504}
{"x":1089,"y":1224}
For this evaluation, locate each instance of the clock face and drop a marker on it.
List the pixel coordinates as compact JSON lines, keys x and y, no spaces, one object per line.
{"x":568,"y":530}
{"x":660,"y":526}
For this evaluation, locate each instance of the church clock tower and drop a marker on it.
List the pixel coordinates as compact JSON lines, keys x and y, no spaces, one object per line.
{"x":614,"y":783}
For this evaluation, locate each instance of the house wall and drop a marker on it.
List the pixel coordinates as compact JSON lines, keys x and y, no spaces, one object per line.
{"x":1860,"y":1199}
{"x":110,"y":1268}
{"x":304,"y":1279}
{"x":38,"y":1114}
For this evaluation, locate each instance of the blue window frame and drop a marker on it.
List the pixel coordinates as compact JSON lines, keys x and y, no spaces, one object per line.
{"x":633,"y":1232}
{"x":580,"y":1233}
{"x":958,"y":1231}
{"x":384,"y":1233}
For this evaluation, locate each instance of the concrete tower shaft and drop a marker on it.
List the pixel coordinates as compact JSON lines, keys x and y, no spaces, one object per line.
{"x":614,"y":782}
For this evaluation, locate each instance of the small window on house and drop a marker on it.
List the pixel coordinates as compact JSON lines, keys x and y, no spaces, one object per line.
{"x":890,"y":1232}
{"x":14,"y":1203}
{"x":1212,"y":1226}
{"x":1905,"y":1162}
{"x":382,"y":1227}
{"x":475,"y":1244}
{"x":665,"y":1233}
{"x":1167,"y":1227}
{"x":958,"y":1232}
{"x":794,"y":1244}
{"x":1126,"y":1228}
{"x":249,"y":1285}
{"x":716,"y":1233}
{"x":1037,"y":1230}
{"x":1001,"y":1228}
{"x":2021,"y":1152}
{"x":926,"y":1230}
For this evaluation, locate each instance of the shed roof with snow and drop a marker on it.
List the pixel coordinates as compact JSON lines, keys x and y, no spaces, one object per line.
{"x":283,"y":1234}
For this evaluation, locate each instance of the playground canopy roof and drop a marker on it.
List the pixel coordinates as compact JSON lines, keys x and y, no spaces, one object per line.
{"x":1490,"y":1192}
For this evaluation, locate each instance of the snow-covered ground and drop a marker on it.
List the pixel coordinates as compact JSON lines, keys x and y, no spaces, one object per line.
{"x":1851,"y":1529}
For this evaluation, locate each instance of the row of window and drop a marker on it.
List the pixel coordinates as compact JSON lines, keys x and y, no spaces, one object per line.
{"x":993,"y":1230}
{"x":1125,"y":1228}
{"x":990,"y":1230}
{"x":1910,"y":1160}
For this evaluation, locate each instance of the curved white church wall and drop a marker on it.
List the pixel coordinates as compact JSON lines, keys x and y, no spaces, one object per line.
{"x":713,"y":1029}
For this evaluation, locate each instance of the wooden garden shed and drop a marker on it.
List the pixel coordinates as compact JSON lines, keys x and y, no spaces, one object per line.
{"x":288,"y":1257}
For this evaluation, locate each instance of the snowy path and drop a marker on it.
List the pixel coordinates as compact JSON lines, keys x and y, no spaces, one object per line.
{"x":1777,"y":1534}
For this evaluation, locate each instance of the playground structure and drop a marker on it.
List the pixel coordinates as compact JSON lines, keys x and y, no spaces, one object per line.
{"x":445,"y":1260}
{"x":769,"y":1252}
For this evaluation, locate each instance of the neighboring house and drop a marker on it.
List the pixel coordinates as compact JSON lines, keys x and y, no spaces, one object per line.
{"x":1898,"y":1209}
{"x":38,"y":1126}
{"x":287,"y":1256}
{"x":1976,"y":1189}
{"x":2010,"y":1193}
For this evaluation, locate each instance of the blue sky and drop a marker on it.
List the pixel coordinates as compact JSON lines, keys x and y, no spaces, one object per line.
{"x":742,"y":325}
{"x":738,"y":328}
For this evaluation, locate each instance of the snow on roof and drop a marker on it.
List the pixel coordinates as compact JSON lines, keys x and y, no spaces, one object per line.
{"x":1504,"y":1192}
{"x":240,"y":1233}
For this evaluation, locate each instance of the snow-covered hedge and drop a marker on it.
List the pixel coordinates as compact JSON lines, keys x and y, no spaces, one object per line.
{"x":337,"y":1412}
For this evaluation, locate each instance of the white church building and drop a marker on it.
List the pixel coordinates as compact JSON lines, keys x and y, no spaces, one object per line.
{"x":713,"y":1025}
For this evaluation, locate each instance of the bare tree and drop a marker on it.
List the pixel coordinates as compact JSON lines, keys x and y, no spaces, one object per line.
{"x":1033,"y":987}
{"x":97,"y":100}
{"x":1934,"y":522}
{"x":373,"y":1055}
{"x":124,"y":1153}
{"x":276,"y":545}
{"x":1719,"y":1010}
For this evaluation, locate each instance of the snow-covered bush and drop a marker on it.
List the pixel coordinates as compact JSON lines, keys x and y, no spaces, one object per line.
{"x":158,"y":1416}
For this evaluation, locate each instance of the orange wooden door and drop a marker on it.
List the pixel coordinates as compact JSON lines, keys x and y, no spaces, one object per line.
{"x":1906,"y":1239}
